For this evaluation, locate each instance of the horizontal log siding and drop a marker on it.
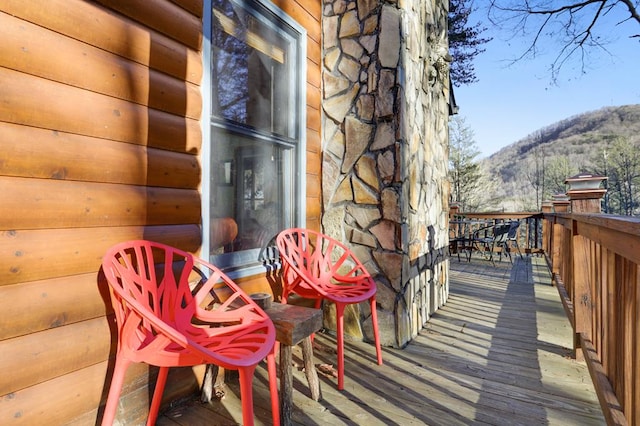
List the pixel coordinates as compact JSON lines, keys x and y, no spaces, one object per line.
{"x":89,"y":22}
{"x":100,"y":137}
{"x":34,"y":153}
{"x":100,"y":140}
{"x":308,"y":14}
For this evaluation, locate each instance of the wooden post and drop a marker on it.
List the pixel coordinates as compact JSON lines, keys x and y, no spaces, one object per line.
{"x":547,"y":207}
{"x":561,"y":203}
{"x":584,"y":195}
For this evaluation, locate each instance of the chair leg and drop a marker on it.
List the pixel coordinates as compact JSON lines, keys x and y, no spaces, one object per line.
{"x":273,"y":389}
{"x":157,"y":395}
{"x":317,"y":305}
{"x":340,"y":336}
{"x":114,"y":391}
{"x":518,"y":248}
{"x":246,"y":393}
{"x":376,"y":331}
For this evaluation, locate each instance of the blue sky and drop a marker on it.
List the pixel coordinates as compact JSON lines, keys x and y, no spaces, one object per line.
{"x":512,"y":101}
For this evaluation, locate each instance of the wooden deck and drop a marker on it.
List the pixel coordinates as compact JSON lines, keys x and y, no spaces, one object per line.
{"x":497,"y":353}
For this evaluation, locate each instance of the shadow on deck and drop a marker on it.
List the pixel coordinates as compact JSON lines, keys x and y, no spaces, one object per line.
{"x":497,"y":353}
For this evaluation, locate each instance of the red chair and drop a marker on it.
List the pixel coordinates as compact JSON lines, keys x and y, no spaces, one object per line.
{"x":315,"y":266}
{"x":163,"y":322}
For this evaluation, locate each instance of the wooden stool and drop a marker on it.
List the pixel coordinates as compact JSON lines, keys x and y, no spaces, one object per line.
{"x":295,"y":324}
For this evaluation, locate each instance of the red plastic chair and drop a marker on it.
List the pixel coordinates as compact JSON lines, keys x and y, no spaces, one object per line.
{"x":163,"y":322}
{"x":315,"y":266}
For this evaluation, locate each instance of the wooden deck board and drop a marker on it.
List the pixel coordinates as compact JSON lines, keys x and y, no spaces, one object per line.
{"x":497,"y":353}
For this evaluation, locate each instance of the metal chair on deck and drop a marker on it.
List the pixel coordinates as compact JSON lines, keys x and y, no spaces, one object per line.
{"x":498,"y":237}
{"x":162,"y":321}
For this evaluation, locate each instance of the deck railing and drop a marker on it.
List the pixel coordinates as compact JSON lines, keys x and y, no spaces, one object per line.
{"x":529,"y":234}
{"x":594,"y":259}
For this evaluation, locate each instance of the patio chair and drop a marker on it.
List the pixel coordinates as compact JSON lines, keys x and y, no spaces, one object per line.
{"x":512,"y":239}
{"x":316,"y":266}
{"x":173,"y":309}
{"x":489,"y":238}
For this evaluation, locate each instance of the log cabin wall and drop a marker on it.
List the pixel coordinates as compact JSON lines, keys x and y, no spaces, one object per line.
{"x":100,"y":136}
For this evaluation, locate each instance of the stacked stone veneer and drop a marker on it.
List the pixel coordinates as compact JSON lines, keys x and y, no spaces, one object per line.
{"x":384,"y":169}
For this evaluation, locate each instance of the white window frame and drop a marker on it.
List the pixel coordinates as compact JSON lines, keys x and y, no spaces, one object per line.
{"x":254,"y":266}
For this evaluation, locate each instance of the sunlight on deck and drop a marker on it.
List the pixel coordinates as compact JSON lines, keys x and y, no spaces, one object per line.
{"x":497,"y":353}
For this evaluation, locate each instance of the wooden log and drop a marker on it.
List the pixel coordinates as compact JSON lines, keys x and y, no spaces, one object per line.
{"x":31,"y":255}
{"x":193,"y":6}
{"x":314,"y":97}
{"x":39,"y":153}
{"x":39,"y":305}
{"x":61,"y":400}
{"x":314,"y":52}
{"x":314,"y":74}
{"x":313,"y":117}
{"x":40,"y":52}
{"x":38,"y":357}
{"x":314,"y":185}
{"x":29,"y":203}
{"x":56,"y":401}
{"x":164,"y":17}
{"x":88,"y":22}
{"x":37,"y":102}
{"x":302,"y":16}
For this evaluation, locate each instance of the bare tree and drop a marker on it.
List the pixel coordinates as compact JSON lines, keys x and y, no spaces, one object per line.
{"x":577,"y":27}
{"x":535,"y":172}
{"x":625,"y":159}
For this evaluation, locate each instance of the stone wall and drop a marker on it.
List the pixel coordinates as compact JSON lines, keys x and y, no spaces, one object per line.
{"x":384,"y":170}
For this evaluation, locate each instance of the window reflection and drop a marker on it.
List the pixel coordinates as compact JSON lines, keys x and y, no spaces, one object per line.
{"x":255,"y":98}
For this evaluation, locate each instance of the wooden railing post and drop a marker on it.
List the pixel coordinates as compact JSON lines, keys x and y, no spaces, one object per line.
{"x":560,"y":204}
{"x":547,"y":237}
{"x":581,"y":290}
{"x":584,"y":195}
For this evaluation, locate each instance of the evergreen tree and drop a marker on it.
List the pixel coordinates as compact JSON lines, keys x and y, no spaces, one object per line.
{"x":464,"y":170}
{"x":464,"y":42}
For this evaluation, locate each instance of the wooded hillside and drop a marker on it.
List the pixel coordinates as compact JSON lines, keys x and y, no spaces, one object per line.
{"x":575,"y":144}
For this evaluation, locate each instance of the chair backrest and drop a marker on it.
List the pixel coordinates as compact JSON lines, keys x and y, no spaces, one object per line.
{"x":156,"y":307}
{"x":513,"y":229}
{"x":500,"y":232}
{"x":150,"y":279}
{"x":310,"y":257}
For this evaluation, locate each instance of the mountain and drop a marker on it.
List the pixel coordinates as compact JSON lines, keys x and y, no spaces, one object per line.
{"x":577,"y":139}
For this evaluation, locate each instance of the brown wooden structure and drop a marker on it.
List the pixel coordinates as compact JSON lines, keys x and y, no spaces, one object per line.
{"x":101,"y":141}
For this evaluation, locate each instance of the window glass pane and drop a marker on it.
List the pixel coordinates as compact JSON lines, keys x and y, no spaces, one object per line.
{"x":252,"y":69}
{"x":256,"y":95}
{"x":250,"y":192}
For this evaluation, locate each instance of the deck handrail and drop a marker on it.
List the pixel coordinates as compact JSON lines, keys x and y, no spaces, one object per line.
{"x":594,"y":260}
{"x":529,"y":234}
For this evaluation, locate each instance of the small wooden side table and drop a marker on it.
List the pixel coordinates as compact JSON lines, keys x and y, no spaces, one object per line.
{"x":295,"y":324}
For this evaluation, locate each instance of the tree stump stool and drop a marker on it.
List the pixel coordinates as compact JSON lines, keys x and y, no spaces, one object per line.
{"x":295,"y":324}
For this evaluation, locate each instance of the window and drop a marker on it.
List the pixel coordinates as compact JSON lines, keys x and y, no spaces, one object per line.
{"x":257,"y":129}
